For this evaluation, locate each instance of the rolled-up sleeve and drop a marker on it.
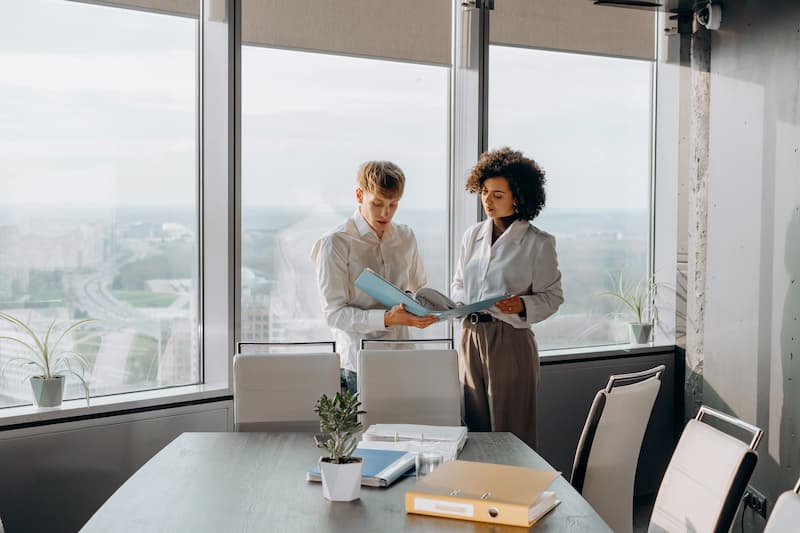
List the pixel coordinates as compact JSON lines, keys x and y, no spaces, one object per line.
{"x":417,"y":277}
{"x":330,"y":257}
{"x":457,"y":286}
{"x":547,"y":294}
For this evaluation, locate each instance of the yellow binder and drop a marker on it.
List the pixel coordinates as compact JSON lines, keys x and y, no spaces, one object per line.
{"x":484,"y":492}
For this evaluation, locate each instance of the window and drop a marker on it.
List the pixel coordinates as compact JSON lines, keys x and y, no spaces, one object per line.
{"x":308,"y":121}
{"x":99,"y":187}
{"x":586,"y":120}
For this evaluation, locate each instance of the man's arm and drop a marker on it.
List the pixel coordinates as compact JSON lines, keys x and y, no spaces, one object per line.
{"x":333,"y":280}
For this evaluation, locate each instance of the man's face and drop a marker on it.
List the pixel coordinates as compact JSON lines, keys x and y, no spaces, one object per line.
{"x":377,"y":210}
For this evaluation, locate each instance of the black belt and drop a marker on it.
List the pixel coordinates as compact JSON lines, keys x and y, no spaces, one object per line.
{"x":474,"y":318}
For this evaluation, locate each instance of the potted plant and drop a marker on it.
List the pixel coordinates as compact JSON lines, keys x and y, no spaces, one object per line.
{"x":340,"y":471}
{"x":48,"y":362}
{"x":638,"y":299}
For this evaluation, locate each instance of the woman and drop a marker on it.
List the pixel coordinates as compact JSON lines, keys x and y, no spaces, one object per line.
{"x":505,"y":254}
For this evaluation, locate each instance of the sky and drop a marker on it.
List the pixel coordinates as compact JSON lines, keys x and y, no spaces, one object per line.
{"x":98,"y":108}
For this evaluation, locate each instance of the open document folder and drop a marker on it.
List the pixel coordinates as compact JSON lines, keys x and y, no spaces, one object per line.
{"x":447,"y":441}
{"x":427,"y":301}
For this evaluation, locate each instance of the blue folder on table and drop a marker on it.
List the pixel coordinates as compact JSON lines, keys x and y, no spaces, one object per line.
{"x":389,"y":295}
{"x":380,"y":468}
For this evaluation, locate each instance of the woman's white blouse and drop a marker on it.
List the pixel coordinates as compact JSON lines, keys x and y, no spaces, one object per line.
{"x":522,"y":262}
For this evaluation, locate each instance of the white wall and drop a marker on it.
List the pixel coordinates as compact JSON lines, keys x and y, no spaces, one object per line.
{"x":752,"y":313}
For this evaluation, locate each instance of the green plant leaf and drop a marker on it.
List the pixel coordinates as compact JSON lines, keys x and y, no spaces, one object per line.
{"x":77,"y":324}
{"x":19,"y":323}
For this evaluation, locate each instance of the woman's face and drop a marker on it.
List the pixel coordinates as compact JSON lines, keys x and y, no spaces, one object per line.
{"x":498,"y":202}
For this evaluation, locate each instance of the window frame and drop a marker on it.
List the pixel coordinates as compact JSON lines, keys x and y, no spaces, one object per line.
{"x":219,"y":213}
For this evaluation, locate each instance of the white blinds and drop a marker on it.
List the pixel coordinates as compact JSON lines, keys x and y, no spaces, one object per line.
{"x":574,"y":26}
{"x":409,"y":30}
{"x":186,"y":8}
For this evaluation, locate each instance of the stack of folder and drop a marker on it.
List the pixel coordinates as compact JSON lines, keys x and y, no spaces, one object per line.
{"x":484,"y":492}
{"x":379,"y":468}
{"x":445,"y":440}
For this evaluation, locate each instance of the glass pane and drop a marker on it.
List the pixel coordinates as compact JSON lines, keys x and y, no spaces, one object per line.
{"x":586,"y":121}
{"x":98,"y":189}
{"x":308,"y":121}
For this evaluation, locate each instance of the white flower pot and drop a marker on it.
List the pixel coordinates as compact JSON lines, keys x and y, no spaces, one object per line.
{"x":47,"y":392}
{"x":640,"y":333}
{"x":340,"y":483}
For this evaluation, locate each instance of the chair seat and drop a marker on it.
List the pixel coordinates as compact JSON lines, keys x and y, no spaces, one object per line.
{"x":785,"y":516}
{"x":278,"y":392}
{"x":410,"y":387}
{"x":705,"y":478}
{"x":604,"y":471}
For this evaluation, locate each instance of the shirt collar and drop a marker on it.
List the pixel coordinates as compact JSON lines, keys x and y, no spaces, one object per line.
{"x":515,"y":232}
{"x":364,"y":228}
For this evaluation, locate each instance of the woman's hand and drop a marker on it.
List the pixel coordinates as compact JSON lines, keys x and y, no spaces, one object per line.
{"x":398,"y":316}
{"x":511,"y":306}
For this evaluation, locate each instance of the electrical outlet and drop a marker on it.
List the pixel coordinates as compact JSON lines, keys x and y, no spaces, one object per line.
{"x":755,"y":501}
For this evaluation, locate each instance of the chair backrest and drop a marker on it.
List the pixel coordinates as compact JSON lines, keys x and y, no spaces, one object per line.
{"x":278,"y":392}
{"x":604,"y":470}
{"x":409,"y":387}
{"x":785,"y":516}
{"x":706,"y":477}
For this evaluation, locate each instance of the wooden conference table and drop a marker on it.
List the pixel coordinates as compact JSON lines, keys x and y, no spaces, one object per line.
{"x":231,"y":482}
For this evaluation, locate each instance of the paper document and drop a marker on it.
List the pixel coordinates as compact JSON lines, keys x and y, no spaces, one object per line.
{"x":445,"y":440}
{"x":427,"y":301}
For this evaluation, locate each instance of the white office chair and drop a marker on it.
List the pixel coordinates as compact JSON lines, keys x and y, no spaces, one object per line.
{"x":409,"y":387}
{"x":605,"y":463}
{"x":278,"y":391}
{"x":706,"y":477}
{"x":785,"y":516}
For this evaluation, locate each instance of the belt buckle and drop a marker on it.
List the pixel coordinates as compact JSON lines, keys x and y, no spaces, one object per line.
{"x":474,"y":318}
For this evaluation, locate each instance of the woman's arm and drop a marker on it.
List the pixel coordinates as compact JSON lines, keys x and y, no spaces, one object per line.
{"x":546,"y":283}
{"x":457,"y":286}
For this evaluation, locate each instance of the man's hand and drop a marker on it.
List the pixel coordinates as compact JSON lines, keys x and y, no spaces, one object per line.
{"x":398,"y":316}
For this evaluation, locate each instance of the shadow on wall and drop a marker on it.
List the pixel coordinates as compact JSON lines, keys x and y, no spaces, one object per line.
{"x":784,"y":468}
{"x":763,"y":28}
{"x":789,"y":451}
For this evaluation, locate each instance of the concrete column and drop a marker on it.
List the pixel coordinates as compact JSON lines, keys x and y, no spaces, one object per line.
{"x":700,"y":54}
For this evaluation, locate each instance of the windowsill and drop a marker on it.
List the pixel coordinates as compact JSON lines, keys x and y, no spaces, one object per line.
{"x":106,"y":405}
{"x":603,"y":352}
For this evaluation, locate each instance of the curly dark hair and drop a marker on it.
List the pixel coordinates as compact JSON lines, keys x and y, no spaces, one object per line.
{"x":525,"y":179}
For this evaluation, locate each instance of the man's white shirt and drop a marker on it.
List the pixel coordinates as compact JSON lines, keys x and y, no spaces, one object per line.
{"x":340,"y":256}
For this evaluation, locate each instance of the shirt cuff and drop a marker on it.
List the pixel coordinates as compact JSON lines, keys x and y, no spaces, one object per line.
{"x":375,"y":319}
{"x":527,"y":303}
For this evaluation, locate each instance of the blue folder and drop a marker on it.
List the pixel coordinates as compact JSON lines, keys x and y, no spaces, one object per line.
{"x":389,"y":295}
{"x":380,"y":468}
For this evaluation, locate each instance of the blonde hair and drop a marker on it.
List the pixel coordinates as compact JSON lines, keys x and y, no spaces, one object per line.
{"x":381,"y":177}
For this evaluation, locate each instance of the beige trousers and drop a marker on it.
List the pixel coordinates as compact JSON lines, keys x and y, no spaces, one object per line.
{"x":500,"y":376}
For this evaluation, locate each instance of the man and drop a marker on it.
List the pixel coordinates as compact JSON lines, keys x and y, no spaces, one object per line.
{"x":368,"y":239}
